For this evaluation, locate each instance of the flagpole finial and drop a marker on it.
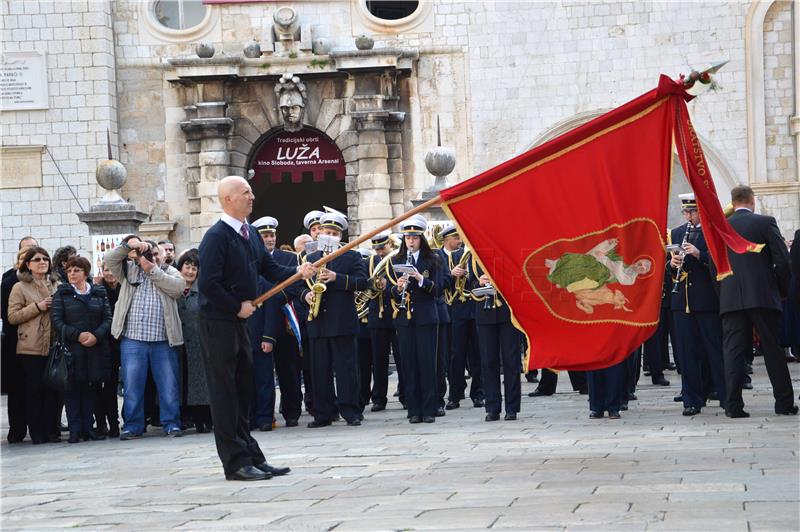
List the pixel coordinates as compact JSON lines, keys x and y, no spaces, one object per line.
{"x":705,"y":77}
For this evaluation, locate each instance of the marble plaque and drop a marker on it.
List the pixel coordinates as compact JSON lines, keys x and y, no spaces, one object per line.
{"x":23,"y":81}
{"x":21,"y":166}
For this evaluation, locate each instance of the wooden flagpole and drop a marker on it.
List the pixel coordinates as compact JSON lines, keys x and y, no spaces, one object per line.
{"x":363,"y":238}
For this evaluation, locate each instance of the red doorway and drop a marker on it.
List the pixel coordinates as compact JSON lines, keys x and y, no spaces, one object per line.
{"x":295,"y":173}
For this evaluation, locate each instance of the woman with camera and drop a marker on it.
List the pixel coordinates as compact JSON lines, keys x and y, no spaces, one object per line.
{"x":29,"y":309}
{"x":82,"y":318}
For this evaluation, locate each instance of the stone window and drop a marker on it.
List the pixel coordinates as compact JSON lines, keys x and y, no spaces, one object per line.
{"x":392,"y":9}
{"x":179,"y":14}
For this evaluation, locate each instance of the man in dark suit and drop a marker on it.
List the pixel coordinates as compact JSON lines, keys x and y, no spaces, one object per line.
{"x":752,"y":297}
{"x":279,"y":338}
{"x":333,"y":329}
{"x":233,"y":257}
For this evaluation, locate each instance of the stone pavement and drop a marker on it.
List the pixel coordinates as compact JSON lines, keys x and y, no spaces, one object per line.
{"x":553,"y":469}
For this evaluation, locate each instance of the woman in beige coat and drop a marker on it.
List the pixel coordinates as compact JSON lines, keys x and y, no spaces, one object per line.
{"x":29,"y":309}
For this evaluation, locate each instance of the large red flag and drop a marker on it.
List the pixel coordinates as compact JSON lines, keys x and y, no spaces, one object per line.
{"x":572,"y":232}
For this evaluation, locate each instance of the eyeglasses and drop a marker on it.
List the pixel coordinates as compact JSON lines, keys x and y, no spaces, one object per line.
{"x":39,"y":259}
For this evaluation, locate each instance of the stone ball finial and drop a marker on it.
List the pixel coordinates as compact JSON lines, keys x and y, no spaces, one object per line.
{"x":440,"y":161}
{"x":111,"y":175}
{"x":364,"y":42}
{"x":252,"y":50}
{"x":205,"y":50}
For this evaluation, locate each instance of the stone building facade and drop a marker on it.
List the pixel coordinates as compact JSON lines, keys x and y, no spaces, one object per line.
{"x":498,"y":77}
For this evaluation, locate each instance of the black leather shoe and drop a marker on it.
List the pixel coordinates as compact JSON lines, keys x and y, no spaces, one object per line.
{"x":74,"y":437}
{"x":428,"y":419}
{"x":596,"y":415}
{"x":317,"y":424}
{"x":510,"y":416}
{"x":15,"y":439}
{"x":491,"y":417}
{"x":632,"y":397}
{"x":661,"y":382}
{"x":377,"y":408}
{"x":613,"y":414}
{"x":439,"y":412}
{"x":736,"y":413}
{"x":201,"y":428}
{"x":54,"y":439}
{"x":624,"y":406}
{"x":478,"y":403}
{"x":415,"y":419}
{"x":271,"y":470}
{"x":248,"y":472}
{"x":678,"y":398}
{"x":712,"y":396}
{"x":113,"y":431}
{"x":691,"y":411}
{"x":265,"y":427}
{"x":790,"y":358}
{"x":788,"y":412}
{"x":671,"y":366}
{"x":291,"y":423}
{"x":747,"y":386}
{"x":452,"y":405}
{"x":538,"y":393}
{"x":93,"y":436}
{"x":354,"y":422}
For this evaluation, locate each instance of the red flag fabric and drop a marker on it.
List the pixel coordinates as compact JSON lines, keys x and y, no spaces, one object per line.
{"x":572,"y":232}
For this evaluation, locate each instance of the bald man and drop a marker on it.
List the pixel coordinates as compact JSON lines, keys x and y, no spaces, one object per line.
{"x":232,"y":258}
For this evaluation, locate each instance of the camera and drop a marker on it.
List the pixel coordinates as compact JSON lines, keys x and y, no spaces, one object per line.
{"x":147,"y":254}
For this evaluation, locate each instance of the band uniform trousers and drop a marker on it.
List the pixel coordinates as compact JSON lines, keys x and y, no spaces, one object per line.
{"x":381,"y":341}
{"x":548,"y":381}
{"x":228,"y":359}
{"x":607,"y":388}
{"x":464,"y":352}
{"x":286,"y":354}
{"x":500,"y":344}
{"x":305,"y":365}
{"x":419,"y":351}
{"x":700,"y":337}
{"x":262,"y":411}
{"x":335,"y":355}
{"x":443,"y":349}
{"x":364,"y":348}
{"x":737,"y":341}
{"x":656,"y":346}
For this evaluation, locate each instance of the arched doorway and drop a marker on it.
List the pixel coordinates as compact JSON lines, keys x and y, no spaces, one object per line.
{"x":295,"y":173}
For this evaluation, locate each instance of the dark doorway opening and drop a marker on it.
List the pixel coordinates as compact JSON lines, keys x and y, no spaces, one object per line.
{"x":392,"y":9}
{"x":296,"y":173}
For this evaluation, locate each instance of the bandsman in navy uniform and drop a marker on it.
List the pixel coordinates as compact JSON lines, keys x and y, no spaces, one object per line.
{"x":333,"y":328}
{"x":416,"y":317}
{"x":311,"y":223}
{"x":383,"y":335}
{"x":695,"y":309}
{"x":500,"y":344}
{"x":279,"y":339}
{"x":364,"y":348}
{"x":464,"y":334}
{"x":443,"y":336}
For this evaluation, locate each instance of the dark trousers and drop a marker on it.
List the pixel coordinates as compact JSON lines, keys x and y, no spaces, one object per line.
{"x":305,"y":368}
{"x":656,"y":346}
{"x":42,"y":409}
{"x":499,"y":344}
{"x":381,"y":345}
{"x":364,"y":348}
{"x":398,"y":364}
{"x":418,"y":348}
{"x":699,"y":337}
{"x":633,"y":367}
{"x":737,"y":344}
{"x":335,"y":356}
{"x":548,"y":380}
{"x":106,"y":409}
{"x":80,"y":404}
{"x":288,"y":364}
{"x":442,"y":354}
{"x":228,"y":359}
{"x":607,"y":388}
{"x":14,"y":376}
{"x":464,"y":349}
{"x":262,"y":410}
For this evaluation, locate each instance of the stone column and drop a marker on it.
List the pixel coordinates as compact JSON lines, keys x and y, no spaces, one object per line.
{"x":373,"y":182}
{"x":211,"y":127}
{"x":394,"y":144}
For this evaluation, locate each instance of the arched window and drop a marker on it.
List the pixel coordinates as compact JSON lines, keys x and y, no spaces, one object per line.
{"x":179,"y":14}
{"x":392,"y":9}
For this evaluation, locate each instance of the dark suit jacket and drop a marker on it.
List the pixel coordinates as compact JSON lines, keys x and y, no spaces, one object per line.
{"x":696,"y":292}
{"x":490,"y":314}
{"x":760,"y":280}
{"x":424,"y":299}
{"x":337,"y":314}
{"x":458,"y":310}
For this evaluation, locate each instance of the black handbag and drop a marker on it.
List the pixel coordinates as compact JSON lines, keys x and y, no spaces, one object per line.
{"x":59,"y":372}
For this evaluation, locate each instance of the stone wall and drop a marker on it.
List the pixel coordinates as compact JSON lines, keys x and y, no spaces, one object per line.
{"x":78,"y":39}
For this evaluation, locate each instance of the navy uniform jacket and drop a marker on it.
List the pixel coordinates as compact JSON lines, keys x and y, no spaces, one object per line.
{"x":424,"y":298}
{"x":459,"y":310}
{"x":231,"y":268}
{"x":337,"y":314}
{"x":274,"y":318}
{"x":447,"y":280}
{"x":498,"y":311}
{"x":373,"y":321}
{"x":696,"y":292}
{"x":760,"y":280}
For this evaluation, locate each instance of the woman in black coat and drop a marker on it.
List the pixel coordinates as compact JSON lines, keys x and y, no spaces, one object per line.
{"x":82,"y":319}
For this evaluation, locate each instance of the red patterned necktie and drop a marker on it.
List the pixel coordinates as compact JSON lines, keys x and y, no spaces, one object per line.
{"x":244,"y":232}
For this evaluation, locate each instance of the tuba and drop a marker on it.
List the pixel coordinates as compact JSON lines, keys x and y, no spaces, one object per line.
{"x":365,"y":296}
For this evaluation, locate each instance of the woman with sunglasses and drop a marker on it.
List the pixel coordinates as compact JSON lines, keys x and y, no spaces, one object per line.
{"x":29,"y":309}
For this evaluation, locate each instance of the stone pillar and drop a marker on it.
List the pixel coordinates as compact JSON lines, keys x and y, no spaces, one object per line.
{"x":373,"y":182}
{"x":394,"y":143}
{"x":209,"y":128}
